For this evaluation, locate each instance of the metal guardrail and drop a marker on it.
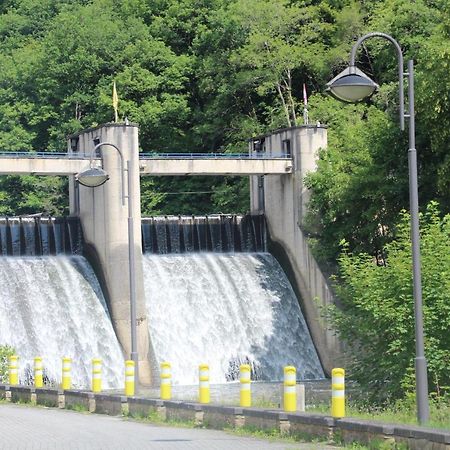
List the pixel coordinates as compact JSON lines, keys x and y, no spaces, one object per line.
{"x":144,"y":156}
{"x":43,"y":155}
{"x":211,"y":156}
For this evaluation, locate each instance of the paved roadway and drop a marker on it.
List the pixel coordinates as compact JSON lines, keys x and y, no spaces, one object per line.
{"x":32,"y":428}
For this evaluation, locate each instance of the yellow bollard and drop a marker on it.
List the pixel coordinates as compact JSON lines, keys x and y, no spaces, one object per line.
{"x":203,"y":388}
{"x":129,"y":378}
{"x":290,"y":389}
{"x":338,"y":393}
{"x":38,"y":376}
{"x":66,"y":375}
{"x":96,"y":375}
{"x":13,"y":370}
{"x":166,"y":382}
{"x":244,"y":378}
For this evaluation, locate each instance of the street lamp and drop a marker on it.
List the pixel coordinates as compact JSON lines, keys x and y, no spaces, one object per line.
{"x":352,"y":85}
{"x":94,"y":177}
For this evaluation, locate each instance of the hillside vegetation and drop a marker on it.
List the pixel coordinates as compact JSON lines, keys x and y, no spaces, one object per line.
{"x":205,"y":75}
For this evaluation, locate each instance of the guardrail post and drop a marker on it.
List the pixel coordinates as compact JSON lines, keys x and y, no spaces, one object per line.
{"x":96,"y":375}
{"x":129,"y":378}
{"x":13,"y":370}
{"x":203,"y":389}
{"x":245,"y":381}
{"x":290,"y":391}
{"x":338,"y":393}
{"x":66,"y":373}
{"x":166,"y":381}
{"x":38,"y":375}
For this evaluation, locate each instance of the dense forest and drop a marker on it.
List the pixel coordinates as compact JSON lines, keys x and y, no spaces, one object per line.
{"x":206,"y":75}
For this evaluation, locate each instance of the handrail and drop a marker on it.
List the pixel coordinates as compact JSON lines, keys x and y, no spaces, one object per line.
{"x":145,"y":156}
{"x":212,"y":156}
{"x":44,"y":155}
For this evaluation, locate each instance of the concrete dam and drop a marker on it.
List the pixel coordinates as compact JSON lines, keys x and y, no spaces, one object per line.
{"x":220,"y":289}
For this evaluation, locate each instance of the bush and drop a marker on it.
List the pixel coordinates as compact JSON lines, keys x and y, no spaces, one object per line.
{"x":5,"y":352}
{"x":376,"y":321}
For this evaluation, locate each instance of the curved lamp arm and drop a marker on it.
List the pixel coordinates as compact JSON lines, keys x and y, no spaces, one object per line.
{"x":122,"y":169}
{"x":400,"y":67}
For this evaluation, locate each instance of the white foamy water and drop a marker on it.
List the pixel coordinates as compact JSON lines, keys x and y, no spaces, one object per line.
{"x":224,"y":309}
{"x":53,"y":307}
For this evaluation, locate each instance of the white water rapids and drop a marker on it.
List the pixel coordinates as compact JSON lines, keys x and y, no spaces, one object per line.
{"x":225,"y":309}
{"x":53,"y":307}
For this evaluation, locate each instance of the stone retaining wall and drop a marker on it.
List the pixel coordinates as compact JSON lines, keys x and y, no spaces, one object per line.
{"x":219,"y":417}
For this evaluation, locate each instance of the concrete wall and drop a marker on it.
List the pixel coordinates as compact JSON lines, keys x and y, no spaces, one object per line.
{"x":40,"y":166}
{"x":284,"y":199}
{"x":104,"y":221}
{"x":211,"y":166}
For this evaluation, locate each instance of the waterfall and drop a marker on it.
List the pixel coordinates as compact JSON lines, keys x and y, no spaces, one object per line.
{"x":52,"y":306}
{"x":225,"y":309}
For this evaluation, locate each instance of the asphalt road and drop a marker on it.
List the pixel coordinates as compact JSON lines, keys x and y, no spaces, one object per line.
{"x":32,"y":428}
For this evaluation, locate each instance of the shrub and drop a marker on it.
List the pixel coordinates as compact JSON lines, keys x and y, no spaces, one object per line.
{"x":5,"y":352}
{"x":376,"y":321}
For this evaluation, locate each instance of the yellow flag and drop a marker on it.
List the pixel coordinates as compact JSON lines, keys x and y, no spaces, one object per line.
{"x":115,"y":102}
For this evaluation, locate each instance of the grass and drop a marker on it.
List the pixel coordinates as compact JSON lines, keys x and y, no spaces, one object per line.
{"x":276,"y":435}
{"x":400,"y":413}
{"x":77,"y":407}
{"x":155,"y":417}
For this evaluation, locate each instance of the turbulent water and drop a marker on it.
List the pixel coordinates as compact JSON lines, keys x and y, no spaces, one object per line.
{"x":224,"y":309}
{"x":53,"y":307}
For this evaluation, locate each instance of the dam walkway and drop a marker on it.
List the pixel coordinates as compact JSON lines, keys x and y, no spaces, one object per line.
{"x":152,"y":164}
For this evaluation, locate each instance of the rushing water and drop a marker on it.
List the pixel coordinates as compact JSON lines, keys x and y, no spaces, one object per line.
{"x":225,"y":309}
{"x":52,"y":306}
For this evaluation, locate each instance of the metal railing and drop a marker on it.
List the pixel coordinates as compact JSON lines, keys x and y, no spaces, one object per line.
{"x":44,"y":155}
{"x":144,"y":156}
{"x":211,"y":156}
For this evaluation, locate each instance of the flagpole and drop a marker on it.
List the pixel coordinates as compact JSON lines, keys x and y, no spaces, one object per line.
{"x":305,"y":107}
{"x":115,"y":103}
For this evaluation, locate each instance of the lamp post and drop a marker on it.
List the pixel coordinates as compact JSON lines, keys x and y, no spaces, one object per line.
{"x":93,"y":177}
{"x":352,"y":85}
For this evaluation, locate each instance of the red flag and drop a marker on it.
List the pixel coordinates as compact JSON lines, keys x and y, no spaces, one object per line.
{"x":305,"y":97}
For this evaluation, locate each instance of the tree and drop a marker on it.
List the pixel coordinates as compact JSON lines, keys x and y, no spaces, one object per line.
{"x":376,"y":321}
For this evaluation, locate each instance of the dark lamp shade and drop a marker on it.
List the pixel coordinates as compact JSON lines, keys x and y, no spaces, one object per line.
{"x":92,"y":177}
{"x":352,"y":88}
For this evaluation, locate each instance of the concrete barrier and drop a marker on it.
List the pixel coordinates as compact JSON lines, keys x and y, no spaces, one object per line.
{"x":22,"y":394}
{"x":261,"y":419}
{"x":49,"y":397}
{"x":81,"y":400}
{"x":146,"y":407}
{"x":113,"y":405}
{"x":220,"y":417}
{"x":5,"y":393}
{"x":303,"y":425}
{"x":311,"y":425}
{"x":184,"y":412}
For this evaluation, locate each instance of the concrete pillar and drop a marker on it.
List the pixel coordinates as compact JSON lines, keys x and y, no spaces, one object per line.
{"x":104,"y":221}
{"x":284,"y":201}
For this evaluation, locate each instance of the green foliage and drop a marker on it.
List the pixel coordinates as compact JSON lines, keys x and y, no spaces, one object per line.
{"x":377,"y":317}
{"x":206,"y":75}
{"x":5,"y":352}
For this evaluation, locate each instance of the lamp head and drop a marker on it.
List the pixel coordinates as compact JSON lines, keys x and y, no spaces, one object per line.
{"x":351,"y":85}
{"x":92,"y":177}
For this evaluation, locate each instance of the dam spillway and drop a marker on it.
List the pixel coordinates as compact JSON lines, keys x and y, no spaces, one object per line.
{"x":51,"y":304}
{"x":213,"y":233}
{"x":225,"y":307}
